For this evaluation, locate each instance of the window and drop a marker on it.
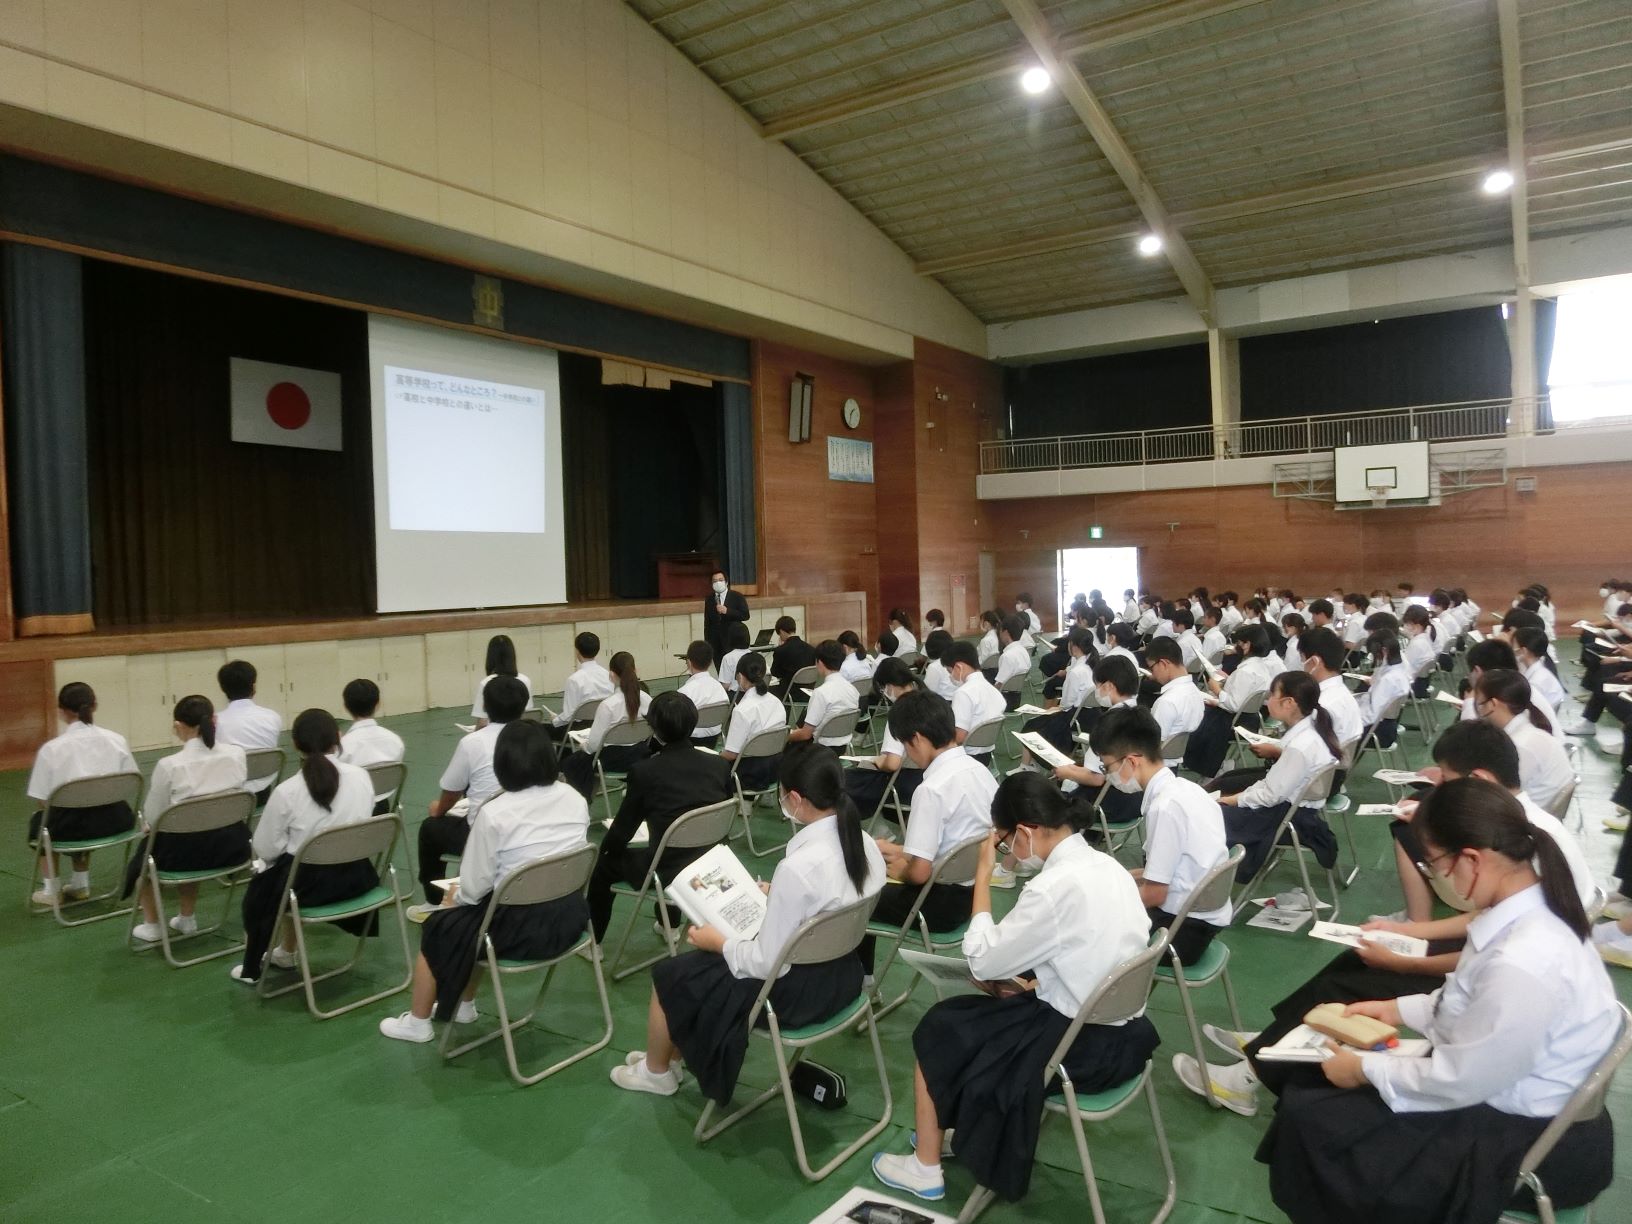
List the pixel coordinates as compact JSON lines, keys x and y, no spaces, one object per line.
{"x":1590,"y":375}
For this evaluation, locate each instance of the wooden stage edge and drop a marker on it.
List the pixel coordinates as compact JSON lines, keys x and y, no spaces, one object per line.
{"x":828,"y":612}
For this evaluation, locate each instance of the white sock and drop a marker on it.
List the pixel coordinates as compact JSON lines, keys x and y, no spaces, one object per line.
{"x":927,"y":1170}
{"x":647,"y":1064}
{"x":49,"y":886}
{"x":80,"y":879}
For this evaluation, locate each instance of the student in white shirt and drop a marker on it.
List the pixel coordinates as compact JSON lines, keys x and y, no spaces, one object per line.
{"x":866,"y":786}
{"x":934,"y":619}
{"x":1184,"y":631}
{"x":1076,"y":690}
{"x":980,"y":1058}
{"x":500,"y":661}
{"x":365,"y":742}
{"x":241,"y":721}
{"x":469,"y":776}
{"x":1022,"y":608}
{"x":1446,"y":626}
{"x":990,"y":646}
{"x":1513,"y":1034}
{"x":1184,"y":828}
{"x":976,"y":701}
{"x":589,"y":683}
{"x":701,"y":1001}
{"x":1230,"y":619}
{"x":1323,"y":659}
{"x":706,"y":693}
{"x":901,"y":625}
{"x":736,"y":645}
{"x":1213,"y":641}
{"x":936,"y":678}
{"x":1210,"y":742}
{"x":1130,"y":606}
{"x":1292,"y":630}
{"x":885,"y":646}
{"x":325,"y":793}
{"x":627,"y":704}
{"x":758,"y":710}
{"x":857,"y":665}
{"x":1015,"y":659}
{"x":535,"y":816}
{"x":832,"y":696}
{"x":1148,"y":616}
{"x":1390,"y":681}
{"x":1495,"y":654}
{"x":80,"y":749}
{"x":1354,"y":626}
{"x":1421,"y":646}
{"x":952,"y":803}
{"x":1530,"y":649}
{"x":1178,"y":708}
{"x":1503,"y":698}
{"x":1116,"y":686}
{"x":202,"y":767}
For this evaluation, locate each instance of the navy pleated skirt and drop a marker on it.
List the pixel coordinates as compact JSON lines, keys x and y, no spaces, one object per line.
{"x":518,"y":932}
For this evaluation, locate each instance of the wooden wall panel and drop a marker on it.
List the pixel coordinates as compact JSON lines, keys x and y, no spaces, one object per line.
{"x":895,"y":496}
{"x":27,"y":710}
{"x":815,"y":534}
{"x":1490,"y":541}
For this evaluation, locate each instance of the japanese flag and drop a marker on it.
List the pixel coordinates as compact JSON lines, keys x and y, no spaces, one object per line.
{"x":278,"y":405}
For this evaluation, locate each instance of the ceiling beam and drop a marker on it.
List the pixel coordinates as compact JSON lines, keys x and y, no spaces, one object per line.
{"x":1507,"y":19}
{"x":1034,"y":25}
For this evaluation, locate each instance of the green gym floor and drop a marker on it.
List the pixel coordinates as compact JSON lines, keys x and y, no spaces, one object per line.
{"x":133,"y":1091}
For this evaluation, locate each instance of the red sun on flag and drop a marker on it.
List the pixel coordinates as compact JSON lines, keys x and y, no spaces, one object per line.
{"x":288,"y":406}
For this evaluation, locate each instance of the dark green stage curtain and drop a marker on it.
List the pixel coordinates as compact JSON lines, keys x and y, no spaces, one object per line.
{"x":737,"y":469}
{"x":585,"y":440}
{"x":187,"y":525}
{"x":44,"y":363}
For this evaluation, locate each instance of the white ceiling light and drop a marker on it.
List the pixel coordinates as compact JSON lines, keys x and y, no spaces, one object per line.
{"x":1150,"y":244}
{"x":1035,"y":79}
{"x":1497,"y":181}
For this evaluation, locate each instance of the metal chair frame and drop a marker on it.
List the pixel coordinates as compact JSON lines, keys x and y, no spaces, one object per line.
{"x":622,"y":735}
{"x":390,"y":778}
{"x":955,"y":866}
{"x":256,"y":763}
{"x":806,"y":678}
{"x":698,"y":829}
{"x":767,"y":743}
{"x":983,"y":737}
{"x":706,"y":715}
{"x":85,"y":792}
{"x":1287,"y":841}
{"x":199,"y":814}
{"x":544,"y":880}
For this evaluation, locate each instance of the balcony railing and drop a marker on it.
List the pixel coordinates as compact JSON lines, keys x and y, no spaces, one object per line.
{"x":1283,"y":436}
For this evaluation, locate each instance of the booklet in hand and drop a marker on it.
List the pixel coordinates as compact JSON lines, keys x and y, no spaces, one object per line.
{"x":1448,"y":698}
{"x":1400,"y":945}
{"x":717,"y":891}
{"x":1042,"y":749}
{"x":951,"y":975}
{"x":1304,"y":1045}
{"x":1252,"y":737}
{"x":1399,"y":777}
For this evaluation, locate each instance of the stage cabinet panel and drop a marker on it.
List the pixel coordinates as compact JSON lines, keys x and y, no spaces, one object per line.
{"x":402,"y":674}
{"x":448,"y":678}
{"x":109,"y":678}
{"x":312,"y":677}
{"x":361,"y":659}
{"x":555,"y":657}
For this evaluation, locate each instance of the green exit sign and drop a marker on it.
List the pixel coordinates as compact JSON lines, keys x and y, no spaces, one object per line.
{"x":1096,"y":532}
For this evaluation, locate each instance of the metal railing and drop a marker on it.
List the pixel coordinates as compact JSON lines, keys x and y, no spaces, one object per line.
{"x":1283,"y":436}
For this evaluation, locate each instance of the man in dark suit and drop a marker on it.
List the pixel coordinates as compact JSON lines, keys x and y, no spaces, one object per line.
{"x":722,"y":606}
{"x":669,"y":783}
{"x":790,"y":657}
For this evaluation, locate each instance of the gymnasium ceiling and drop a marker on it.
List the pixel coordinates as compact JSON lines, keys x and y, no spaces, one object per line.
{"x":1277,"y":137}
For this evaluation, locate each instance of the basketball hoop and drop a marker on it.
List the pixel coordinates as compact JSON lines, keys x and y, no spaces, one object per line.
{"x":1379,"y":495}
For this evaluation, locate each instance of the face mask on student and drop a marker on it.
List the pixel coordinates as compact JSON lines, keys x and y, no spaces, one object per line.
{"x":1019,"y":607}
{"x":786,"y":814}
{"x":1603,"y":592}
{"x":1032,"y":862}
{"x":1128,"y":786}
{"x":719,"y":588}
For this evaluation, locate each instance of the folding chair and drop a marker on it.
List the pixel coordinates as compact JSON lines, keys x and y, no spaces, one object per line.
{"x":841,"y":722}
{"x":767,"y":743}
{"x":1585,"y":1102}
{"x":1121,"y":996}
{"x":1286,"y":841}
{"x":1174,"y":745}
{"x":983,"y":737}
{"x":532,"y":714}
{"x":1253,"y":704}
{"x":265,"y":763}
{"x":877,"y":717}
{"x":1392,"y":757}
{"x":956,"y":866}
{"x":823,"y":938}
{"x":547,"y":879}
{"x":1116,"y":833}
{"x":374,"y":840}
{"x":581,"y":717}
{"x":1423,"y":707}
{"x":1338,"y":804}
{"x":806,"y":678}
{"x":916,"y":660}
{"x":389,"y":778}
{"x":712,"y":719}
{"x":1560,"y":805}
{"x":201,"y":814}
{"x":697,"y":829}
{"x":623,"y":735}
{"x":84,"y":793}
{"x":1210,"y":892}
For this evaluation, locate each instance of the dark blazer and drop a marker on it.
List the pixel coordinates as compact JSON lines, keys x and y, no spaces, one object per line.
{"x":715,"y":624}
{"x":790,"y":657}
{"x":667,"y":784}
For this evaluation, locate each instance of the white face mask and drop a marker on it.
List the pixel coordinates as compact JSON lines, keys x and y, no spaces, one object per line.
{"x":1128,"y":786}
{"x":1603,"y":592}
{"x":1019,"y":607}
{"x":719,"y":588}
{"x":1107,"y":696}
{"x":1033,"y":861}
{"x":786,"y":814}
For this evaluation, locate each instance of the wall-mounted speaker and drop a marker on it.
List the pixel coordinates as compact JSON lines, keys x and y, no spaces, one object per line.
{"x":801,"y":393}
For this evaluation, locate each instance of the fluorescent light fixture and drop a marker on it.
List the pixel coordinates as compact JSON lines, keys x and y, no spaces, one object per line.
{"x":1497,"y":181}
{"x":1035,"y":79}
{"x":1150,"y":244}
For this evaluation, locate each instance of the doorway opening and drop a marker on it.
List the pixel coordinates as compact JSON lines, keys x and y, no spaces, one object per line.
{"x":1111,"y":571}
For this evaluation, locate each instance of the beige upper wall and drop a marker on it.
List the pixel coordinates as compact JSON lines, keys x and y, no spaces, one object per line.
{"x":564,"y":128}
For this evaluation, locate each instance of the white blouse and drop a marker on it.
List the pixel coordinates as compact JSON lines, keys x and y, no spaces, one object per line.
{"x":612,"y":712}
{"x":515,"y":828}
{"x":1303,"y":753}
{"x":191,"y":771}
{"x":292,"y":815}
{"x":478,"y":710}
{"x":755,"y":713}
{"x":1388,"y":684}
{"x":79,"y":750}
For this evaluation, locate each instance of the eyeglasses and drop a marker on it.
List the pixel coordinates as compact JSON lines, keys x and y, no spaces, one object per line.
{"x":1006,"y":846}
{"x":1426,"y":867}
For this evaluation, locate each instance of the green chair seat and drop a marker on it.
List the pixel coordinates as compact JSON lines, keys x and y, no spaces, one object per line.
{"x":372,"y":899}
{"x":1099,"y":1102}
{"x":95,"y":843}
{"x":182,"y":877}
{"x":945,"y":939}
{"x":1212,"y":963}
{"x":825,"y":1026}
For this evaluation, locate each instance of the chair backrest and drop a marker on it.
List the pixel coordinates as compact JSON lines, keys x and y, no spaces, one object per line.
{"x":97,"y":791}
{"x":915,"y":660}
{"x":202,"y":813}
{"x":547,"y":879}
{"x":829,"y":936}
{"x":1319,"y":787}
{"x":1596,"y":903}
{"x":1174,"y":745}
{"x":532,"y":715}
{"x":1346,"y":750}
{"x":388,"y":777}
{"x":842,"y":722}
{"x":1252,"y":703}
{"x":957,"y":865}
{"x":347,"y":843}
{"x":1121,"y":996}
{"x":1395,"y":707}
{"x":700,"y":827}
{"x":624,"y":735}
{"x":1213,"y":889}
{"x":766,"y":743}
{"x":263,"y":762}
{"x":1014,"y":684}
{"x":586,"y":710}
{"x":864,"y":688}
{"x":806,"y":676}
{"x":712,"y":717}
{"x":1585,"y":1102}
{"x":1560,"y":805}
{"x":982,"y":737}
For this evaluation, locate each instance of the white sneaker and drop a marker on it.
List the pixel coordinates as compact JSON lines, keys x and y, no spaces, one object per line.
{"x":283,"y":960}
{"x":184,"y":924}
{"x":76,"y":892}
{"x":145,"y":932}
{"x":236,"y":973}
{"x":418,"y":913}
{"x":44,"y":899}
{"x":1003,"y":878}
{"x":1231,"y":1041}
{"x":1617,"y":823}
{"x":638,"y":1079}
{"x":467,"y":1013}
{"x":1580,"y":727}
{"x":1243,"y":1101}
{"x":408,"y":1027}
{"x":635,"y":1057}
{"x":905,"y":1173}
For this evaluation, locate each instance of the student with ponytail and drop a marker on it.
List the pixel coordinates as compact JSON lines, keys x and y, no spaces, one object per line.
{"x":1514,"y":1033}
{"x":979,"y":1078}
{"x":80,"y":749}
{"x":1390,"y":680}
{"x":1421,"y":645}
{"x":701,"y":1000}
{"x":202,"y":767}
{"x":1503,"y":697}
{"x":627,"y":704}
{"x":758,"y":710}
{"x":325,"y":793}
